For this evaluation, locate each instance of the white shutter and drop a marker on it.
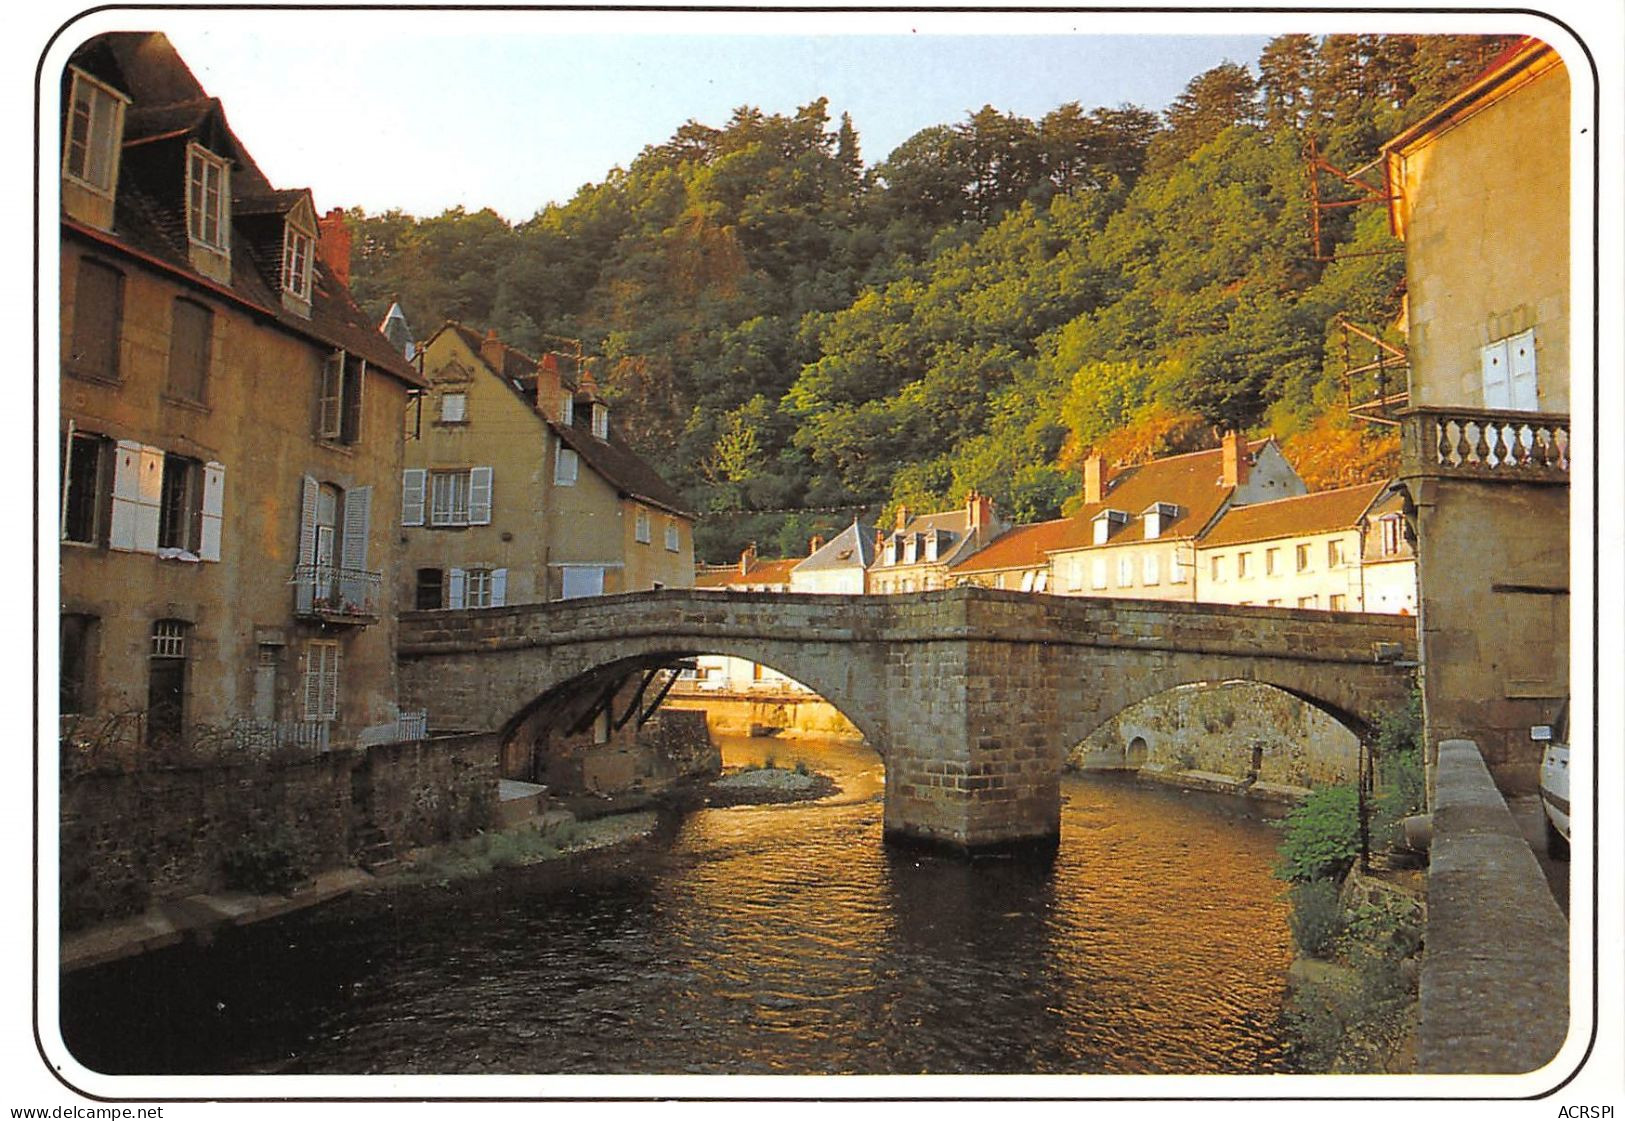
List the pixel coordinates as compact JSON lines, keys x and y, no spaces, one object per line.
{"x":1497,"y":385}
{"x":126,"y":492}
{"x":1524,"y":393}
{"x":499,"y":587}
{"x":307,"y":520}
{"x":330,"y":684}
{"x":357,"y":524}
{"x":1027,"y":580}
{"x":313,"y":681}
{"x":479,"y":496}
{"x":149,"y":498}
{"x":332,"y":396}
{"x":413,"y":481}
{"x":214,"y":497}
{"x":454,"y":589}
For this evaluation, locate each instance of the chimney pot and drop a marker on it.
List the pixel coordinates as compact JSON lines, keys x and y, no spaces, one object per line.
{"x":747,"y":559}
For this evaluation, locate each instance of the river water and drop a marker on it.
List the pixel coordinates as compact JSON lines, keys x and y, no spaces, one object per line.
{"x":760,"y":939}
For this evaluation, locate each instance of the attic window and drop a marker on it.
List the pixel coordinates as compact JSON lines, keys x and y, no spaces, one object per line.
{"x":1106,"y":521}
{"x":95,"y":124}
{"x":600,"y":420}
{"x":207,"y":198}
{"x":1157,"y":518}
{"x":298,"y":247}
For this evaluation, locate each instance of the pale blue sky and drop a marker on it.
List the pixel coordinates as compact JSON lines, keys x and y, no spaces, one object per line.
{"x":390,"y":110}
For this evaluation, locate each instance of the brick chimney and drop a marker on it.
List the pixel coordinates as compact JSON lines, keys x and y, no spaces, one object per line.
{"x":1235,"y":459}
{"x":549,"y":388}
{"x":816,"y":544}
{"x":902,"y":517}
{"x":492,"y":350}
{"x":979,"y":511}
{"x":1095,"y":477}
{"x":333,"y":244}
{"x":747,"y":559}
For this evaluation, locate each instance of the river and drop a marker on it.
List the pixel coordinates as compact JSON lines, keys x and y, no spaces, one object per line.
{"x":758,"y":939}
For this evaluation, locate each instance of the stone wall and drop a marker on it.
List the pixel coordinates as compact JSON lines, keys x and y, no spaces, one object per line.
{"x":131,"y":839}
{"x":1218,"y":729}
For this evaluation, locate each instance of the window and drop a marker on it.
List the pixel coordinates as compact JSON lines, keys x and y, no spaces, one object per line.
{"x":191,"y":327}
{"x":180,"y":506}
{"x":567,"y":410}
{"x":1097,"y":574}
{"x":1509,"y":375}
{"x":1176,"y":569}
{"x":339,"y":408}
{"x":87,"y":487}
{"x":1241,"y":565}
{"x":564,"y":468}
{"x":74,"y":667}
{"x":600,"y":420}
{"x":1272,"y":561}
{"x":456,"y":498}
{"x":477,"y":591}
{"x":642,"y":532}
{"x":1214,"y":569}
{"x":166,"y":680}
{"x":674,"y":540}
{"x":1308,"y":601}
{"x":582,"y":580}
{"x":1106,"y":522}
{"x":98,"y":317}
{"x":453,"y":408}
{"x":431,"y":589}
{"x":95,"y":124}
{"x":1151,"y":573}
{"x":1334,"y":554}
{"x":1303,"y":558}
{"x":1337,"y":602}
{"x":1125,"y":572}
{"x":207,"y":196}
{"x":1389,"y":525}
{"x":321,"y":683}
{"x":298,"y":247}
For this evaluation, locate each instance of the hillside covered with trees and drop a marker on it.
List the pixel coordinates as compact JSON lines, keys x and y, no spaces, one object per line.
{"x":790,"y":336}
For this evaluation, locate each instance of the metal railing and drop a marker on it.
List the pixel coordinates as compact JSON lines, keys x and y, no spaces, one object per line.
{"x":405,"y":728}
{"x":265,"y":737}
{"x":1485,"y":444}
{"x":330,"y":591}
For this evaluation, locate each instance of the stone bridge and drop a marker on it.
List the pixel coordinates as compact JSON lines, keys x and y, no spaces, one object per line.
{"x":972,"y":696}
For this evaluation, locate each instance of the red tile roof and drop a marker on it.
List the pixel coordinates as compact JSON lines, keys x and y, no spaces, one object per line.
{"x":1026,"y":546}
{"x":761,"y":572}
{"x":1326,"y":511}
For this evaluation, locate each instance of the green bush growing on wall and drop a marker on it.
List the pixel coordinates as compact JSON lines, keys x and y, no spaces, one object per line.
{"x":1321,"y":836}
{"x":263,"y":862}
{"x":1399,"y":766}
{"x":1317,"y":917}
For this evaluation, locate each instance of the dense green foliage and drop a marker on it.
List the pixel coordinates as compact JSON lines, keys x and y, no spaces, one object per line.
{"x":1317,"y":916}
{"x":1321,"y":836}
{"x":783,"y":329}
{"x":1401,"y":788}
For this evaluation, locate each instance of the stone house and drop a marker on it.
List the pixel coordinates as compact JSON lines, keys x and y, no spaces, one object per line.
{"x":1334,"y":550}
{"x":230,"y":427}
{"x":1485,"y":438}
{"x":920,"y":549}
{"x":839,"y":566}
{"x":1135,"y":533}
{"x":519,"y":488}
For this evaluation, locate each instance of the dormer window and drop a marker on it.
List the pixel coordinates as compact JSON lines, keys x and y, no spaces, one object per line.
{"x":1157,"y":518}
{"x":567,"y":415}
{"x":600,"y":420}
{"x":298,"y":248}
{"x":95,"y":125}
{"x":1107,"y":522}
{"x":911,"y":548}
{"x":207,"y":198}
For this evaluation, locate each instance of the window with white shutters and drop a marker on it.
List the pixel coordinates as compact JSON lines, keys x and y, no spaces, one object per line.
{"x":673,"y":540}
{"x":1151,"y":574}
{"x":338,"y":411}
{"x":1509,"y":374}
{"x":414,"y":482}
{"x":456,"y":498}
{"x":642,"y":531}
{"x":87,"y":487}
{"x":321,"y":682}
{"x":479,"y":496}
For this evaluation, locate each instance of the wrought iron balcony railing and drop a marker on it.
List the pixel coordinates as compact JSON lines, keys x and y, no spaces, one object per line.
{"x":336,"y":594}
{"x":1485,"y":444}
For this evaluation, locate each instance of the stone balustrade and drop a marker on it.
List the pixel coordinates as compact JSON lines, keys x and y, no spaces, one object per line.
{"x":1488,"y":444}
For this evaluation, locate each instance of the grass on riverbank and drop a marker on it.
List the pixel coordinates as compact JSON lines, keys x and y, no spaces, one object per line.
{"x":526,"y":844}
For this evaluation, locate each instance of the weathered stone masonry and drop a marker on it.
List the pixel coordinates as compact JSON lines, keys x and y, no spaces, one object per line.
{"x":972,"y":696}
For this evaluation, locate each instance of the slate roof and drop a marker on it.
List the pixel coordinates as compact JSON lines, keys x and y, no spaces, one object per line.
{"x":1326,"y":511}
{"x":168,"y":107}
{"x":853,"y":546}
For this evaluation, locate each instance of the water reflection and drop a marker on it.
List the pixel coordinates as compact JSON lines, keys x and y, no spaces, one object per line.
{"x":771,"y":939}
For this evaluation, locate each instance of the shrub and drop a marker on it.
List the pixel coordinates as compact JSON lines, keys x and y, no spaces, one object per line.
{"x":1322,"y":836}
{"x":1401,"y":784}
{"x":264,"y":862}
{"x":802,"y":768}
{"x":1317,"y":916}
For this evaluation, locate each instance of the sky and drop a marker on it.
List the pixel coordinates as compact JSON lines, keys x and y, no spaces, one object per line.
{"x":513,"y":112}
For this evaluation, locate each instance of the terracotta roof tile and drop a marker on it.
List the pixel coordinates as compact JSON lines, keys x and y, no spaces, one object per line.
{"x":1026,"y":546}
{"x":762,"y":572}
{"x":1322,"y":512}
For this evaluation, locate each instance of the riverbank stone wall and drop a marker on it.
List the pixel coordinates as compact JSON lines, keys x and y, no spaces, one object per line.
{"x":973,"y":696}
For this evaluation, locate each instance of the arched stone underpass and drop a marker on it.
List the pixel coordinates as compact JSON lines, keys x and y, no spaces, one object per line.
{"x":973,"y":696}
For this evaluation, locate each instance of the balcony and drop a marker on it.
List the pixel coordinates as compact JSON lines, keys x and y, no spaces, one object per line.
{"x":1485,"y":444}
{"x":336,"y":595}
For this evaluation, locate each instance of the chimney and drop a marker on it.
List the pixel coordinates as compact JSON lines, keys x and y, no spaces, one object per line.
{"x":1235,"y":460}
{"x":816,"y":544}
{"x":747,"y":559}
{"x":549,"y":389}
{"x":492,"y":350}
{"x":902,"y":517}
{"x":1095,"y":477}
{"x":333,"y":244}
{"x":979,"y":509}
